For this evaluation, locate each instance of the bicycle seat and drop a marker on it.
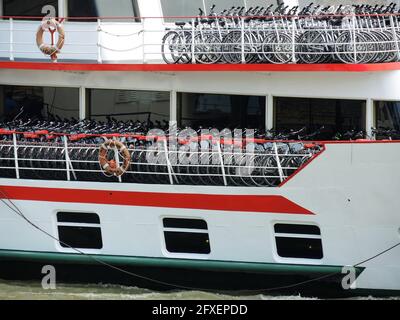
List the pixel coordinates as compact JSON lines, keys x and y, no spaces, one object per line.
{"x":204,"y":20}
{"x":195,"y":23}
{"x":180,"y":23}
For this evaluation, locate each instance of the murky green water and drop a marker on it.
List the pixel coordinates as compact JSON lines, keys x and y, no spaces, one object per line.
{"x":34,"y":291}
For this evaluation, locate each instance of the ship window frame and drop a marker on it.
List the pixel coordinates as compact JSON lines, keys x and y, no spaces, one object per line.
{"x":91,"y":225}
{"x":136,"y":18}
{"x":29,"y":17}
{"x":199,"y":233}
{"x":281,"y":239}
{"x":89,"y":100}
{"x":375,"y":105}
{"x":274,"y":97}
{"x":170,"y":21}
{"x":264,"y":107}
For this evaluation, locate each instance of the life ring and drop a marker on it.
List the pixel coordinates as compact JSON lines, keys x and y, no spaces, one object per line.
{"x":111,"y":167}
{"x":52,"y":25}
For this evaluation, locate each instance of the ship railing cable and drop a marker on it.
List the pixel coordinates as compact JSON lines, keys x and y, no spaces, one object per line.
{"x":239,"y":37}
{"x":14,"y":208}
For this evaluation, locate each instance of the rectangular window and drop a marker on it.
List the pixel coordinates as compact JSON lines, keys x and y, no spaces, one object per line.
{"x":260,"y":3}
{"x":76,"y":217}
{"x":79,"y":230}
{"x":388,"y":115}
{"x":297,"y":229}
{"x":298,"y":241}
{"x":299,"y":248}
{"x":337,"y":116}
{"x":185,"y":223}
{"x":23,"y":8}
{"x":221,"y":111}
{"x":180,"y":8}
{"x":103,"y":8}
{"x":129,"y":105}
{"x":186,"y":236}
{"x":80,"y":237}
{"x":39,"y":102}
{"x":221,"y":5}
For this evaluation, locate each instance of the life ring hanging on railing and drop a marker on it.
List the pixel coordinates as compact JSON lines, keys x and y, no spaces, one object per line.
{"x":111,"y":167}
{"x":52,"y":25}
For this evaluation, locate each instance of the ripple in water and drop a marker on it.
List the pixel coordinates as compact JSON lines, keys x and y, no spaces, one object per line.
{"x":33,"y":291}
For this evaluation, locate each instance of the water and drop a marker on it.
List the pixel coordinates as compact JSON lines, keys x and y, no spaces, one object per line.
{"x":33,"y":291}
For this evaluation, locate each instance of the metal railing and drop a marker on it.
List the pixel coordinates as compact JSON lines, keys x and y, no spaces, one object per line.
{"x":209,"y":40}
{"x":218,"y":165}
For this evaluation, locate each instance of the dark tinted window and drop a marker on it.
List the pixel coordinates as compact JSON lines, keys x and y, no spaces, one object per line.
{"x":335,"y":115}
{"x":103,"y":8}
{"x":80,"y":237}
{"x":299,"y":248}
{"x":27,"y":8}
{"x":221,"y":111}
{"x":262,"y":3}
{"x":38,"y":102}
{"x":185,"y":223}
{"x":223,"y":4}
{"x":180,"y":8}
{"x":308,"y":246}
{"x":297,"y":228}
{"x":129,"y":105}
{"x":387,"y":114}
{"x":77,"y":217}
{"x":185,"y":242}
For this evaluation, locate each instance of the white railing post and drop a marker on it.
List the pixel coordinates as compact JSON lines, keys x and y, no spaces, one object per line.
{"x":242,"y":38}
{"x":395,"y":37}
{"x":16,"y":155}
{"x":143,"y":40}
{"x":221,"y":159}
{"x":294,"y":60}
{"x":11,"y":39}
{"x":354,"y":38}
{"x":69,"y":166}
{"x":116,"y":158}
{"x":193,"y":42}
{"x":169,"y":166}
{"x":278,"y":162}
{"x":99,"y":30}
{"x":66,"y":158}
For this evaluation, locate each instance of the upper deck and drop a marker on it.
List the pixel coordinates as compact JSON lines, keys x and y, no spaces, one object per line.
{"x":142,"y":36}
{"x":272,"y":71}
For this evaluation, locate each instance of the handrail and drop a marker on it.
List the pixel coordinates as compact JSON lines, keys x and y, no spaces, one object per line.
{"x":222,"y":167}
{"x":278,"y":39}
{"x":209,"y":17}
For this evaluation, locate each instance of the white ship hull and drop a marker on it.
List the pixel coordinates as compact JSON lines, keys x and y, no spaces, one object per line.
{"x":350,"y":191}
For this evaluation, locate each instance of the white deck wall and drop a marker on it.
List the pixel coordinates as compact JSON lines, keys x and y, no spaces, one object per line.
{"x":368,"y":86}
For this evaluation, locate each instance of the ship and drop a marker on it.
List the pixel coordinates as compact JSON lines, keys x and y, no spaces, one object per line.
{"x":306,"y":213}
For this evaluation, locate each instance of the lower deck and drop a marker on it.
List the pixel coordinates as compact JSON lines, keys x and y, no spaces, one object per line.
{"x":334,"y":213}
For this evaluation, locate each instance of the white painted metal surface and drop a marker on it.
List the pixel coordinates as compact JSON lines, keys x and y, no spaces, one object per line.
{"x":351,"y":189}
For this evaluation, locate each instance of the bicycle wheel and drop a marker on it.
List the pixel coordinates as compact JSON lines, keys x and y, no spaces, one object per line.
{"x":282,"y":47}
{"x":208,"y":48}
{"x":232,"y":47}
{"x":312,"y":47}
{"x":167,"y":49}
{"x":351,"y":47}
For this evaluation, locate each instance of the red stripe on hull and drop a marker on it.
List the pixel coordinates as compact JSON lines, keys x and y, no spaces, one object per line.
{"x":238,"y":203}
{"x":376,"y":67}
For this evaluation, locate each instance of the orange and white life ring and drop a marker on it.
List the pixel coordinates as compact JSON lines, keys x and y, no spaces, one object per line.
{"x":111,"y":167}
{"x":52,"y":25}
